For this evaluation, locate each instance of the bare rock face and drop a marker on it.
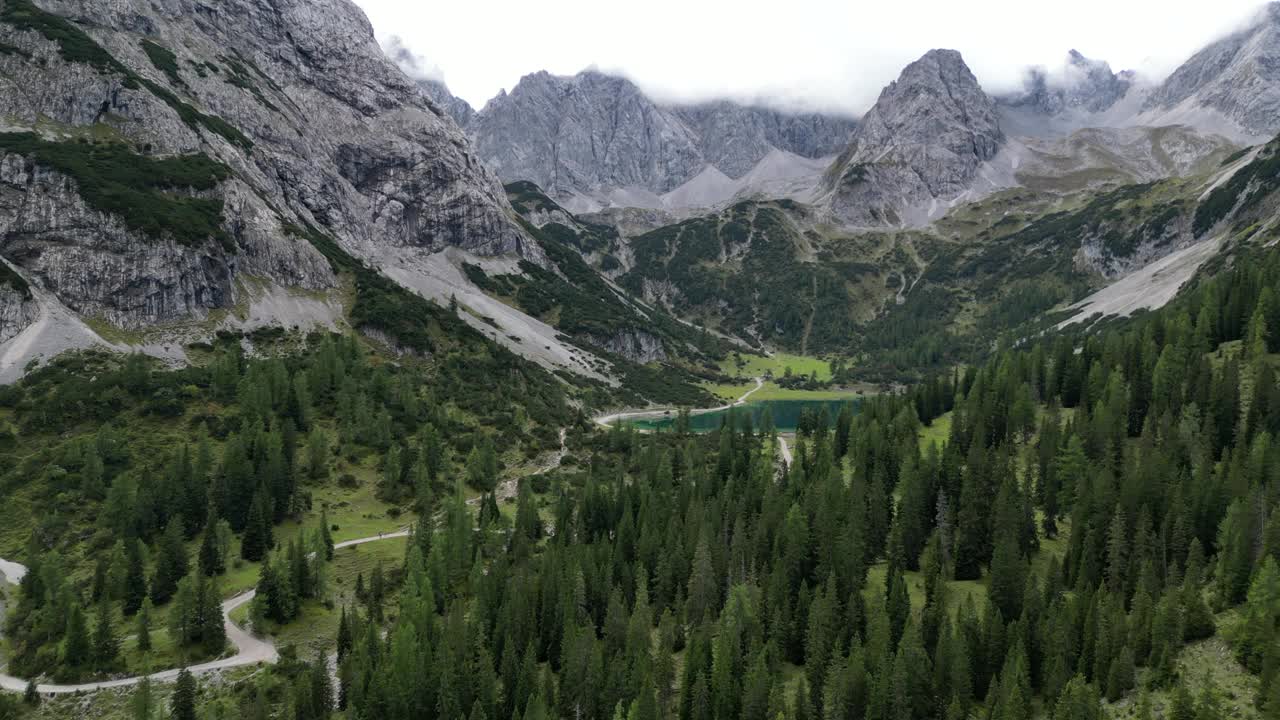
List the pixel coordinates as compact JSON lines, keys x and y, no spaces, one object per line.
{"x":97,"y":264}
{"x":1232,"y":86}
{"x":313,"y":124}
{"x":18,"y":309}
{"x":733,"y":138}
{"x":1086,"y":85}
{"x":921,"y":144}
{"x":583,"y":134}
{"x":637,"y":346}
{"x":594,"y":133}
{"x":455,"y":107}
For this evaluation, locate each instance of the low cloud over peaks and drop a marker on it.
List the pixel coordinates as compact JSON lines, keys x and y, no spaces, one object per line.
{"x":414,"y":65}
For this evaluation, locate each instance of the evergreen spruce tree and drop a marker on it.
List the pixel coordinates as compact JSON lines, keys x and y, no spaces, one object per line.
{"x":344,"y":636}
{"x":1078,"y":701}
{"x":897,"y":605}
{"x":528,"y":525}
{"x":1209,"y":704}
{"x":76,"y":648}
{"x":142,"y":703}
{"x":184,"y":617}
{"x":213,"y":635}
{"x":377,"y":592}
{"x":98,"y":586}
{"x":972,"y":534}
{"x":1008,"y":574}
{"x":1181,"y":703}
{"x":317,"y":454}
{"x":210,"y":559}
{"x":106,"y":647}
{"x":1144,"y":710}
{"x":171,"y":563}
{"x":1120,"y":679}
{"x":1259,"y":635}
{"x":326,"y":537}
{"x":135,"y":579}
{"x":182,"y":705}
{"x":703,"y":596}
{"x":257,"y":538}
{"x":1270,"y":701}
{"x":143,"y":621}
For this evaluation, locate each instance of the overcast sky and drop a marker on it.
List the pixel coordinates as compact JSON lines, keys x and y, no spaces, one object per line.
{"x":820,"y":54}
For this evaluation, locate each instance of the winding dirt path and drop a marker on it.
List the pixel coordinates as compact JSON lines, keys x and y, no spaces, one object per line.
{"x":250,"y":650}
{"x":510,"y":487}
{"x":784,"y":450}
{"x":611,"y":418}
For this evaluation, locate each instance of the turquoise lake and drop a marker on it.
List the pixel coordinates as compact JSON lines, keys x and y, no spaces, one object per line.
{"x":786,"y":414}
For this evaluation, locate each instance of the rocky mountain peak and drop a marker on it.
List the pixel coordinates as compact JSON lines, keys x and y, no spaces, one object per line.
{"x":583,"y":133}
{"x":600,"y":139}
{"x":923,"y":140}
{"x":308,"y":140}
{"x":1232,"y":86}
{"x":429,"y":80}
{"x":455,"y":107}
{"x":1082,"y":84}
{"x":935,"y":102}
{"x":939,"y":63}
{"x":1091,"y":84}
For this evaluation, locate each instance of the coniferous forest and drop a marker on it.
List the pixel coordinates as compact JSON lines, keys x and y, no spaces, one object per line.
{"x":1098,"y":506}
{"x":817,"y":395}
{"x":1114,"y":496}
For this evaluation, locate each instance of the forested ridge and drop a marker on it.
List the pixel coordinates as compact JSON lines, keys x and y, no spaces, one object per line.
{"x":308,"y":416}
{"x":683,"y":579}
{"x":1102,"y":501}
{"x":139,"y":490}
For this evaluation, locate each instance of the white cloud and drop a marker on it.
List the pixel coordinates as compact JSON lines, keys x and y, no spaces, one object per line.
{"x":412,"y":63}
{"x":823,"y":54}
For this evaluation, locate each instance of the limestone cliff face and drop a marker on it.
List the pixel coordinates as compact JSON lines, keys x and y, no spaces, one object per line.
{"x":637,"y":346}
{"x":593,"y":133}
{"x":313,"y":124}
{"x":584,"y":133}
{"x":1231,"y":86}
{"x":18,"y":309}
{"x":1086,"y":85}
{"x":455,"y":107}
{"x":922,"y":143}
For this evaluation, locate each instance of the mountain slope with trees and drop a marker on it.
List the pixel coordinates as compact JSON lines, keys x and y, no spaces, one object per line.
{"x":1110,"y":495}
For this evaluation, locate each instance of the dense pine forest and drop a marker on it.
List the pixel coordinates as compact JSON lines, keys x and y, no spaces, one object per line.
{"x":682,"y":577}
{"x":1086,"y":524}
{"x":1097,"y":504}
{"x":161,"y":491}
{"x":325,"y":395}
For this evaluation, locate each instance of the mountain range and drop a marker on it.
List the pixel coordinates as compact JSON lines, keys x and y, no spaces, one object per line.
{"x":595,"y":141}
{"x":323,"y":394}
{"x":166,"y":176}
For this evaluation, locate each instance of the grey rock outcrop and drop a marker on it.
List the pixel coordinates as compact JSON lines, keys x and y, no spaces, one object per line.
{"x":429,"y":81}
{"x":455,"y":107}
{"x":583,"y":134}
{"x":1085,"y":85}
{"x":341,"y":140}
{"x":18,"y":309}
{"x":920,"y":146}
{"x":1232,"y":86}
{"x":637,"y":346}
{"x":734,"y":137}
{"x":593,"y":133}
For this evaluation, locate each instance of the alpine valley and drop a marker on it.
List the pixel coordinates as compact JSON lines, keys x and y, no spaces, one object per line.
{"x":325,"y":394}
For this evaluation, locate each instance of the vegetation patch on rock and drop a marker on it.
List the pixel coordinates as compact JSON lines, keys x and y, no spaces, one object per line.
{"x":141,"y":190}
